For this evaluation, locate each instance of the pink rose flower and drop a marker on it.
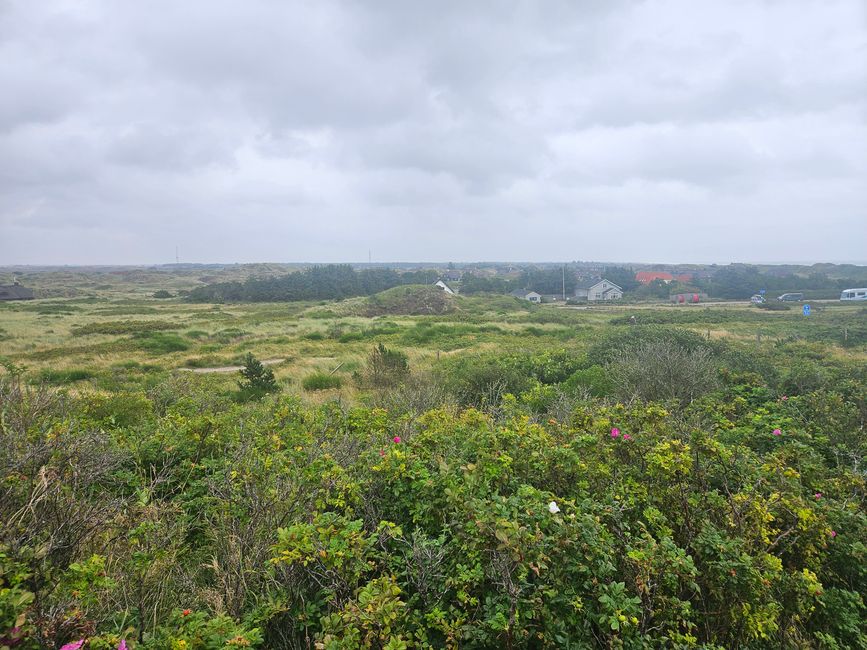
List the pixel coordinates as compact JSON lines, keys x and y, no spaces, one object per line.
{"x":818,"y":495}
{"x":75,"y":645}
{"x":626,"y":436}
{"x":396,"y":439}
{"x":833,"y":534}
{"x":777,"y":432}
{"x":615,"y":432}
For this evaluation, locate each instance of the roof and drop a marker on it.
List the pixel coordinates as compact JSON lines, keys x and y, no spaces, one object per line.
{"x":589,"y":284}
{"x":523,"y":293}
{"x":442,"y":283}
{"x":15,"y":292}
{"x":646,"y":277}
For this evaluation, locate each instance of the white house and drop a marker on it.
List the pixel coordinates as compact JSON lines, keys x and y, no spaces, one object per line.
{"x":598,"y":290}
{"x":531,"y":296}
{"x":442,"y":285}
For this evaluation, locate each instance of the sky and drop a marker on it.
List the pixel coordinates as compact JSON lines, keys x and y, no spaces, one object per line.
{"x":327,"y":131}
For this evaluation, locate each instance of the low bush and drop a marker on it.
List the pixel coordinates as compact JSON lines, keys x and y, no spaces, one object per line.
{"x":384,"y":367}
{"x":124,"y":327}
{"x":621,"y":340}
{"x":321,"y":381}
{"x":660,"y":370}
{"x":65,"y":376}
{"x":160,"y":342}
{"x":770,"y":305}
{"x":596,"y":380}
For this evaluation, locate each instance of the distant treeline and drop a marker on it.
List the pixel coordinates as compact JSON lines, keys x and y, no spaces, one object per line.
{"x":743,"y":281}
{"x":327,"y":282}
{"x":740,"y":282}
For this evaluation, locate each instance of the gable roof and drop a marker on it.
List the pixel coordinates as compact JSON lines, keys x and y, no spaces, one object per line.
{"x":589,"y":284}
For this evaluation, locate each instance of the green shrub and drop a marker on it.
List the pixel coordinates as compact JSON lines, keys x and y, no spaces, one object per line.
{"x":663,"y":370}
{"x":596,"y":380}
{"x":162,"y":294}
{"x":321,"y":381}
{"x":124,"y":327}
{"x":65,"y":376}
{"x":257,"y":379}
{"x":771,"y":305}
{"x":622,"y":340}
{"x":160,"y":342}
{"x":230,"y":335}
{"x":385,"y":367}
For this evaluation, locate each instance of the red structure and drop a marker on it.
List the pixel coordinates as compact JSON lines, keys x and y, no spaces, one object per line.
{"x":646,"y":277}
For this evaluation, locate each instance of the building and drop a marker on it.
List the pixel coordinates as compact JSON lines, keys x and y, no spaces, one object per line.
{"x":15,"y":291}
{"x":523,"y":294}
{"x":646,"y":277}
{"x":602,"y":289}
{"x":442,"y":285}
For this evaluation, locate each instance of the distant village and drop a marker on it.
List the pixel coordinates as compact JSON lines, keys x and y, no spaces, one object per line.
{"x":574,"y":282}
{"x":577,"y":286}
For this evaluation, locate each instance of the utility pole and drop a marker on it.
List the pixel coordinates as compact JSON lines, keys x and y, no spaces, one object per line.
{"x":177,"y":259}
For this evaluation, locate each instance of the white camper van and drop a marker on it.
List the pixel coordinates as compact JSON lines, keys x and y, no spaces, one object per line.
{"x":854,"y":294}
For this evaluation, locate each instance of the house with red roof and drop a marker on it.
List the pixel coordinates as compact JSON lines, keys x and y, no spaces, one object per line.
{"x":646,"y":277}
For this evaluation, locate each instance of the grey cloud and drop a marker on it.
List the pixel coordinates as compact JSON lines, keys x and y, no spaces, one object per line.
{"x":314,"y":131}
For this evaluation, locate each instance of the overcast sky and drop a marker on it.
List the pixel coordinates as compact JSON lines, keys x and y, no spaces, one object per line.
{"x":258,"y":130}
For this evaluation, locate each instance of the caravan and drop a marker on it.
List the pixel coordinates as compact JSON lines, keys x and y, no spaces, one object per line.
{"x":854,"y":294}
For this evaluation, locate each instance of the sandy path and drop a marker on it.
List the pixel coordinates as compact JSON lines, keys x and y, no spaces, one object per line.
{"x":266,"y":362}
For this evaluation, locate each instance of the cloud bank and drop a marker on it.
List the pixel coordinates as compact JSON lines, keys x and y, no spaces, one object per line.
{"x":661,"y":130}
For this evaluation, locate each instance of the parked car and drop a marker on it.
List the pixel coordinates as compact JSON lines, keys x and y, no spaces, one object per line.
{"x":757,"y":299}
{"x":854,"y":294}
{"x":791,"y":297}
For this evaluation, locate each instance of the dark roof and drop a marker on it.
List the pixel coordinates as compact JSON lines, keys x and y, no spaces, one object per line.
{"x":522,"y":293}
{"x":15,"y":292}
{"x":589,"y":284}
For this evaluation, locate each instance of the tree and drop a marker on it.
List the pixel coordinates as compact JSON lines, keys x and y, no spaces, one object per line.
{"x":621,"y":276}
{"x":258,"y":379}
{"x":386,"y":367}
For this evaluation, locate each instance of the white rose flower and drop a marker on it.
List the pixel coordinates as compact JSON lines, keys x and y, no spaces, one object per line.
{"x":552,"y":508}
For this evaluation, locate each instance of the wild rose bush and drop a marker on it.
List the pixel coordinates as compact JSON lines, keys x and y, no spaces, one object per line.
{"x":736,"y":520}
